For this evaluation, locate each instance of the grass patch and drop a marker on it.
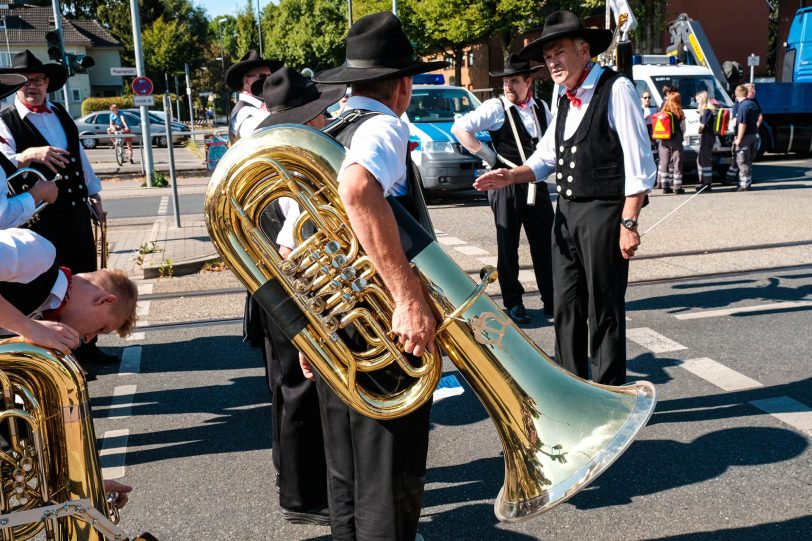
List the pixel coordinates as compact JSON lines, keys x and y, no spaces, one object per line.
{"x":218,"y":265}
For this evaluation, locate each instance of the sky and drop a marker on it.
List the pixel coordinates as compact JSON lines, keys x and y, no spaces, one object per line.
{"x":225,"y":7}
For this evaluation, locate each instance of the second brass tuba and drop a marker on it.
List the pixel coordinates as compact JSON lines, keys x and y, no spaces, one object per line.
{"x":558,"y":432}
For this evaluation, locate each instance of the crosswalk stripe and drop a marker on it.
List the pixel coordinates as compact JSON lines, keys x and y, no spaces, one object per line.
{"x":113,"y":452}
{"x":789,"y":305}
{"x":142,"y":308}
{"x":652,"y":341}
{"x":122,"y":404}
{"x":136,"y":336}
{"x":450,"y":241}
{"x":788,"y":411}
{"x":471,"y":250}
{"x":130,"y":361}
{"x":718,"y":374}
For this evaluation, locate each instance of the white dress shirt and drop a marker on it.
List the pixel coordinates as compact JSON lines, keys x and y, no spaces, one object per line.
{"x":379,"y":145}
{"x":490,"y":116}
{"x":625,"y":118}
{"x":248,"y":118}
{"x":24,"y":255}
{"x":15,"y":210}
{"x":49,"y":126}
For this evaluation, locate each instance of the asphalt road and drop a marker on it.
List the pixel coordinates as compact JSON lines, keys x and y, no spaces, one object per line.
{"x":726,"y":455}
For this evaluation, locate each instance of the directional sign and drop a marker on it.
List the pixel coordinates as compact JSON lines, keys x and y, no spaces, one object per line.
{"x":148,"y":101}
{"x":142,"y":86}
{"x":123,"y":72}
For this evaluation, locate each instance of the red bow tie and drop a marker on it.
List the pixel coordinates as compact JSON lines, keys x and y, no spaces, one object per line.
{"x":43,"y":108}
{"x":570,"y":92}
{"x":53,"y":314}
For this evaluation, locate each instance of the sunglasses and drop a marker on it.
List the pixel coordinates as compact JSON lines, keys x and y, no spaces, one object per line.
{"x":646,"y":97}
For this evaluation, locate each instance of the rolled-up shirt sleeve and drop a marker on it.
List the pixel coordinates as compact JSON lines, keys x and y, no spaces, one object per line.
{"x":626,"y":118}
{"x":15,"y":210}
{"x":488,"y":116}
{"x":379,"y":146}
{"x":91,"y":179}
{"x":24,"y":255}
{"x":542,"y":161}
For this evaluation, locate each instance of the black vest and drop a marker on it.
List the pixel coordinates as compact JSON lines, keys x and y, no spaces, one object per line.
{"x":590,"y":164}
{"x":28,"y":297}
{"x":343,"y":129}
{"x":505,"y":143}
{"x":72,"y":187}
{"x":233,"y":136}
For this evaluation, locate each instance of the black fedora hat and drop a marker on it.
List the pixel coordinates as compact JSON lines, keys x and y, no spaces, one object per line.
{"x":515,"y":65}
{"x":377,"y":48}
{"x":565,"y":24}
{"x":26,"y":62}
{"x":249,"y":61}
{"x":10,"y":83}
{"x":292,"y":98}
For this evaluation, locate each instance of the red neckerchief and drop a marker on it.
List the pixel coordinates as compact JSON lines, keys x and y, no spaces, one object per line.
{"x":53,"y":314}
{"x":526,"y":102}
{"x":570,"y":92}
{"x":43,"y":108}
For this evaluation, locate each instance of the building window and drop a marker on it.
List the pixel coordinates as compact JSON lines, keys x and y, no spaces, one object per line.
{"x":470,"y":58}
{"x":76,"y":95}
{"x":450,"y":61}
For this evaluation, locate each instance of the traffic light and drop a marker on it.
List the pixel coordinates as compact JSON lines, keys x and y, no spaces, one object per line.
{"x":55,"y":50}
{"x":78,"y":63}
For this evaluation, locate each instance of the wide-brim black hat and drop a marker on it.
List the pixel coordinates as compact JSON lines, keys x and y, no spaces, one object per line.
{"x":248,"y":62}
{"x":515,"y":65}
{"x":10,"y":83}
{"x":377,"y":48}
{"x":565,"y":24}
{"x":26,"y":62}
{"x":292,"y":98}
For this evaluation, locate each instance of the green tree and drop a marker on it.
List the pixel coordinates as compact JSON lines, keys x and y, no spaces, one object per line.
{"x":167,"y":45}
{"x":306,"y":33}
{"x":246,"y":30}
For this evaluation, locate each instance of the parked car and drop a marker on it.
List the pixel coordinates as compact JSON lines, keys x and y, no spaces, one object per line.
{"x":98,"y":122}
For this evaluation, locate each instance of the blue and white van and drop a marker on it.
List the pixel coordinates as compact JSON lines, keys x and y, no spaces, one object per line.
{"x":443,"y":163}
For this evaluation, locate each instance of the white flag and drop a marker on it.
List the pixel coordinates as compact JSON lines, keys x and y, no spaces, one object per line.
{"x":622,"y":6}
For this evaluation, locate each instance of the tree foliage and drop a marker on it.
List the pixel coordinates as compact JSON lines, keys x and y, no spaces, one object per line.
{"x":247,"y":36}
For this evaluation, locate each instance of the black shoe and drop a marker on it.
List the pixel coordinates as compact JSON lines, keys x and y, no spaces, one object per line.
{"x":519,"y":314}
{"x":316,"y":517}
{"x":90,"y":354}
{"x":707,"y":189}
{"x":548,"y":310}
{"x":668,"y":190}
{"x":743,"y":189}
{"x":679,"y":191}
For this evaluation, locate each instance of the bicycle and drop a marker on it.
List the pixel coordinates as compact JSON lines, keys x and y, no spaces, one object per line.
{"x":122,"y":152}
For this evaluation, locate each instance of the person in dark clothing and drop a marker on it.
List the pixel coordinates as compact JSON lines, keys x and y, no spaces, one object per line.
{"x":707,"y":137}
{"x":38,"y":133}
{"x":376,"y":468}
{"x":516,"y":122}
{"x":670,"y":150}
{"x":597,"y":145}
{"x":746,"y":134}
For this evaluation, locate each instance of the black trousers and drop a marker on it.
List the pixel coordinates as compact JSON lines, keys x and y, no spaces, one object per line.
{"x":71,"y":233}
{"x":298,"y":445}
{"x":590,"y":277}
{"x":511,"y":212}
{"x":376,"y":471}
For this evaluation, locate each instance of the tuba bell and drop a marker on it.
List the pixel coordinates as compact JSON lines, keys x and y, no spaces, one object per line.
{"x":51,"y":478}
{"x":558,"y":432}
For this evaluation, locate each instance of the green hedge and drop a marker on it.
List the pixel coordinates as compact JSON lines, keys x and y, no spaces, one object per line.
{"x":90,"y":105}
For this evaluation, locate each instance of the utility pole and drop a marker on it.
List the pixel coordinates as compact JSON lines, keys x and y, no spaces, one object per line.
{"x":259,"y":28}
{"x":189,"y":94}
{"x":146,"y":140}
{"x":395,"y":8}
{"x":177,"y":95}
{"x":58,"y":25}
{"x":349,"y":12}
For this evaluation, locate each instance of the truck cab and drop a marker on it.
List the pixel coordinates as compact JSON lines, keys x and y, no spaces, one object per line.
{"x":652,"y":73}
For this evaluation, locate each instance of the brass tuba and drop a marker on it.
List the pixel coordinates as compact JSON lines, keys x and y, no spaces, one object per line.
{"x":17,"y":186}
{"x":558,"y":432}
{"x":51,"y":478}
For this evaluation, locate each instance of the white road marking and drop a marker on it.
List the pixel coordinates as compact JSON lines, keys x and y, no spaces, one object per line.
{"x":451,"y":241}
{"x":121,"y":406}
{"x":142,"y":308}
{"x":493,"y":260}
{"x":471,"y":250}
{"x":448,"y":386}
{"x":789,"y":305}
{"x":163,"y":205}
{"x":136,"y":336}
{"x":652,"y":341}
{"x":113,"y":452}
{"x":718,"y":374}
{"x":527,"y":276}
{"x":142,"y":323}
{"x":438,"y":232}
{"x":788,"y":411}
{"x":130,"y":361}
{"x":145,"y":289}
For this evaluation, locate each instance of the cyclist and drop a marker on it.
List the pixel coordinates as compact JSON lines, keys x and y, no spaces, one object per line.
{"x":118,"y":124}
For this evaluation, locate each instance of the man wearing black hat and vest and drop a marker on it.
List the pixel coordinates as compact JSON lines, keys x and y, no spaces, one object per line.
{"x":376,"y":469}
{"x":18,"y":209}
{"x":247,"y":112}
{"x":598,"y":148}
{"x":40,"y":134}
{"x":516,"y":122}
{"x":298,"y":445}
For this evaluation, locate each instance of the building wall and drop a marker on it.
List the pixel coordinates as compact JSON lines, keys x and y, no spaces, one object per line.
{"x":100,"y":73}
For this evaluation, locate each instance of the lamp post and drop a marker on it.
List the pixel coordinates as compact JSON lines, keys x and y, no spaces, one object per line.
{"x":259,"y":28}
{"x":223,"y":65}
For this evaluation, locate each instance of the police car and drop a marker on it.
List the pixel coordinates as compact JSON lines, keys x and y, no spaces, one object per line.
{"x":442,"y":162}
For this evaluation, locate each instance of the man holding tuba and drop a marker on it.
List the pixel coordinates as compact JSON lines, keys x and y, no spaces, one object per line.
{"x":382,"y":498}
{"x":18,"y":209}
{"x":598,"y":148}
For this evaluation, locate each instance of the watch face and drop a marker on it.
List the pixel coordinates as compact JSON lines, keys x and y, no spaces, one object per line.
{"x":629,"y":223}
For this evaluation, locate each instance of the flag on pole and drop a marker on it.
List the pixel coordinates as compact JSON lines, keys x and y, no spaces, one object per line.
{"x":622,"y":6}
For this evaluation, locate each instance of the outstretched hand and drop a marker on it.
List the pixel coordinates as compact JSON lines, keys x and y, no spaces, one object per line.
{"x":492,"y":180}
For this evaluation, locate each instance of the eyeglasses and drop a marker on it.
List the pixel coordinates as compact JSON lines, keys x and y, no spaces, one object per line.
{"x":646,"y":97}
{"x":257,"y":76}
{"x":36,"y":82}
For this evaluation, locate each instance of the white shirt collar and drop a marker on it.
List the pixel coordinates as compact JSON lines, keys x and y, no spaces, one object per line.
{"x":369,"y":104}
{"x":23,"y":110}
{"x":251,"y":99}
{"x":589,"y":83}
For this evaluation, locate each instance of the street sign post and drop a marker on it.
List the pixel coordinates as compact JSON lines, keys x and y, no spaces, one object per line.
{"x":753,"y":60}
{"x":123,"y":72}
{"x":144,"y":101}
{"x":142,"y":86}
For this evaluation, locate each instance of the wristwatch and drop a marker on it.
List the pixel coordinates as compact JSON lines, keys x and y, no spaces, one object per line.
{"x":629,"y":223}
